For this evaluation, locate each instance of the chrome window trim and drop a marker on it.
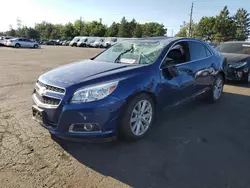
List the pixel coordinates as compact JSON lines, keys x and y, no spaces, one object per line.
{"x":185,"y":40}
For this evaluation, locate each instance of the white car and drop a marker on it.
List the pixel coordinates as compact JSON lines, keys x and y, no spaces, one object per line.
{"x":3,"y":39}
{"x":99,"y":43}
{"x":21,"y":42}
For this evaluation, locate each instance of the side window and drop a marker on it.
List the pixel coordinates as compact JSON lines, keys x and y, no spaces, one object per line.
{"x":197,"y":51}
{"x":209,"y":53}
{"x":178,"y":54}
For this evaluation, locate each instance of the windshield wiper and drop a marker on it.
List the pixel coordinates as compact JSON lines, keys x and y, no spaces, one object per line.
{"x":126,"y":51}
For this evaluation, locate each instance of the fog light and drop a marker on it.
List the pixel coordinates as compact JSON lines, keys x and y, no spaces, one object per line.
{"x":239,"y":74}
{"x":84,"y":128}
{"x":245,"y":70}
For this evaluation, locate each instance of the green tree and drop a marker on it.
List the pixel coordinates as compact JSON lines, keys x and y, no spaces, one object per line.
{"x":242,"y":21}
{"x":225,"y":27}
{"x":32,"y":33}
{"x":11,"y":32}
{"x":137,"y":33}
{"x":45,"y":29}
{"x":205,"y":28}
{"x":183,"y":30}
{"x":124,"y":29}
{"x":113,"y":30}
{"x":68,"y":31}
{"x":153,"y":29}
{"x":79,"y":27}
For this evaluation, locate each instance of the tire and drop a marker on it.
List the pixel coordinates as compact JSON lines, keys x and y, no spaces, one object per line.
{"x":17,"y":45}
{"x":35,"y":46}
{"x":130,"y":127}
{"x":101,"y":46}
{"x":217,"y":89}
{"x":84,"y":45}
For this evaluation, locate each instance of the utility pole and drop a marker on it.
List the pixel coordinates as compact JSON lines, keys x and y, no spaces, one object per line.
{"x":172,"y":32}
{"x":80,"y":25}
{"x":191,"y":20}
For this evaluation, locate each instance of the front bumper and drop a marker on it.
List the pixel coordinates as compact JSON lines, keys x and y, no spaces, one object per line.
{"x":237,"y":74}
{"x":104,"y":113}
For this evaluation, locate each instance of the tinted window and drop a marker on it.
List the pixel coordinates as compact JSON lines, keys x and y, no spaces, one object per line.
{"x":209,"y":53}
{"x":237,"y":48}
{"x":197,"y":51}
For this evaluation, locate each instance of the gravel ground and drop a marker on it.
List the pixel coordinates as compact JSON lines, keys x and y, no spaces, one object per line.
{"x":195,"y":146}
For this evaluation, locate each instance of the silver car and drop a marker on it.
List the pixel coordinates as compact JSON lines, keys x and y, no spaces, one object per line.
{"x":22,"y":42}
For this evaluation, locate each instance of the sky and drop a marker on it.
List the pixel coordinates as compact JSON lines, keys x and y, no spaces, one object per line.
{"x":171,"y":13}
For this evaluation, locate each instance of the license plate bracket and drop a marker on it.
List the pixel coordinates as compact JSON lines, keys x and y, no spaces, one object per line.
{"x":38,"y":114}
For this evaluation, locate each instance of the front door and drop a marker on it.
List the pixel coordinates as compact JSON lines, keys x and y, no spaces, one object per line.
{"x":177,"y":76}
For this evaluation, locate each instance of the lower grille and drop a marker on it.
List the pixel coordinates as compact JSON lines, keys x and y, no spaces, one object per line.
{"x":47,"y":100}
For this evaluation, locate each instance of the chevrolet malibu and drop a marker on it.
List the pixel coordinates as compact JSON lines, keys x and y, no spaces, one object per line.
{"x":117,"y":92}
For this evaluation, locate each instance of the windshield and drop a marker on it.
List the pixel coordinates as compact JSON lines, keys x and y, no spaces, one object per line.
{"x":132,"y":52}
{"x":236,"y":48}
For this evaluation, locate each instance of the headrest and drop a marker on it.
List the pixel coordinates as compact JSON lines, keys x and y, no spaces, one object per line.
{"x":175,"y":54}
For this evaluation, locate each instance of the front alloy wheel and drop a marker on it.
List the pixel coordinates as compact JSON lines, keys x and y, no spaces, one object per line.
{"x":141,"y":117}
{"x":137,"y":117}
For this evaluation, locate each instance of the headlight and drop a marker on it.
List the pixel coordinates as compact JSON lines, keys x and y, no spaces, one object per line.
{"x":238,"y":64}
{"x":93,"y":93}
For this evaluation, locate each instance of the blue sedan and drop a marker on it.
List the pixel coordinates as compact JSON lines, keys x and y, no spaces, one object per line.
{"x":116,"y":93}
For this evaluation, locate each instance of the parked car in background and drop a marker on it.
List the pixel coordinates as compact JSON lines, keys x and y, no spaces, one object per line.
{"x":21,"y":42}
{"x":51,"y":42}
{"x":110,"y":41}
{"x":75,"y":41}
{"x":237,"y":57}
{"x":118,"y":91}
{"x":3,"y":39}
{"x":99,"y":43}
{"x":82,"y":42}
{"x":86,"y":42}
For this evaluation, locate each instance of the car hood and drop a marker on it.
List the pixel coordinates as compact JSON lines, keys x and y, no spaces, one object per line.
{"x":233,"y":58}
{"x":75,"y":73}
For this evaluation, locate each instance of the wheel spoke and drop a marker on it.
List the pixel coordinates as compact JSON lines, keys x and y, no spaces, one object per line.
{"x":147,"y":115}
{"x":133,"y":119}
{"x":135,"y":111}
{"x":145,"y":121}
{"x":138,"y":126}
{"x":144,"y":103}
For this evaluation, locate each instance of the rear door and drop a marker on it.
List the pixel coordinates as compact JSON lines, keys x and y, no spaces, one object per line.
{"x":202,"y":59}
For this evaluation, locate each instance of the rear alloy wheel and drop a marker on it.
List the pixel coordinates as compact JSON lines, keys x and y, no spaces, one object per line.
{"x":101,"y":46}
{"x":137,"y":117}
{"x":217,"y":89}
{"x":17,"y":45}
{"x":35,"y":46}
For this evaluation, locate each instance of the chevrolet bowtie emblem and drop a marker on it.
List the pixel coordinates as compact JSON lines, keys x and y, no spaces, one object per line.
{"x":42,"y":91}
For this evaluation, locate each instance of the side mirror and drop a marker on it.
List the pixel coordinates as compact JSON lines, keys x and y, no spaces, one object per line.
{"x":170,"y":71}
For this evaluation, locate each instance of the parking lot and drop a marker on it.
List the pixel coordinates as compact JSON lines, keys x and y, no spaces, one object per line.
{"x":195,"y":146}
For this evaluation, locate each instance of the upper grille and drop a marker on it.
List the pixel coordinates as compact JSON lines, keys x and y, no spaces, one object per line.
{"x":47,"y":100}
{"x":51,"y":88}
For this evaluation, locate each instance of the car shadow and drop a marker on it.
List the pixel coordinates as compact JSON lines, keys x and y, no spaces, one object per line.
{"x":196,"y":145}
